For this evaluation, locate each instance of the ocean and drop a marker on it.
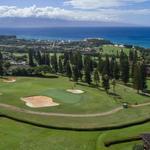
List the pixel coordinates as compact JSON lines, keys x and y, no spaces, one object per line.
{"x":139,"y":36}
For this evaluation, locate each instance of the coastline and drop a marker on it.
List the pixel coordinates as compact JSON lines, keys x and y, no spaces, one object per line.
{"x":138,"y":36}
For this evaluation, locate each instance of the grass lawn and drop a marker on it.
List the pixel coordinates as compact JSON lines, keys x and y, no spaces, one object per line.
{"x":92,"y":101}
{"x":19,"y":136}
{"x":122,"y":134}
{"x":112,"y":50}
{"x":125,"y":146}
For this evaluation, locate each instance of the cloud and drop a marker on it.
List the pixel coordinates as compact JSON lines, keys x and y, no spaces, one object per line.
{"x":94,"y":4}
{"x":101,"y":15}
{"x":58,"y":13}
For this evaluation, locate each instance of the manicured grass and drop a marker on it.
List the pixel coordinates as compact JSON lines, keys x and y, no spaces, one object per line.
{"x":122,"y":134}
{"x":112,"y":50}
{"x":22,"y":136}
{"x":19,"y":136}
{"x":92,"y":101}
{"x":125,"y":146}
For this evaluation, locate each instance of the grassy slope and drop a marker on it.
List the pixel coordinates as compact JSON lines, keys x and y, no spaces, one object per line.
{"x":22,"y":136}
{"x":119,"y":134}
{"x":92,"y":101}
{"x":112,"y":50}
{"x":19,"y":136}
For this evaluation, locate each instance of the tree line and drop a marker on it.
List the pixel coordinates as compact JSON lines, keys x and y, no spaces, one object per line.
{"x":89,"y":69}
{"x":86,"y":68}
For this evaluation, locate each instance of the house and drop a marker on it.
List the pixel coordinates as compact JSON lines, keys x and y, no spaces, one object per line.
{"x":146,"y":139}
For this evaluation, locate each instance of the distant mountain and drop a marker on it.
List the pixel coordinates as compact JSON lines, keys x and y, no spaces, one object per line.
{"x":44,"y":22}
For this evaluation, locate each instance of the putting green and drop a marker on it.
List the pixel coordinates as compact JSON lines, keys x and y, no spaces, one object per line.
{"x":62,"y":96}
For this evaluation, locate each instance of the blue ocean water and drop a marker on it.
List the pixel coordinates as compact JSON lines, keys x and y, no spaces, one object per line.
{"x":124,"y":35}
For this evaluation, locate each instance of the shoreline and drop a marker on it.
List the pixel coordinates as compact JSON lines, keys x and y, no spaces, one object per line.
{"x":137,"y":36}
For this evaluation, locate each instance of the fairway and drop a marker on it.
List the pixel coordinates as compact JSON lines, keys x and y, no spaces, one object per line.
{"x":21,"y":136}
{"x":92,"y":110}
{"x":103,"y":109}
{"x":92,"y":101}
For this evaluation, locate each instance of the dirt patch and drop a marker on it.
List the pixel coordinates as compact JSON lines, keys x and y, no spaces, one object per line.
{"x":75,"y":91}
{"x":9,"y":80}
{"x":39,"y":101}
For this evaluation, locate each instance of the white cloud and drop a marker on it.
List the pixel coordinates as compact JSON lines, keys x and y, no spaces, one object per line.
{"x":104,"y":15}
{"x":51,"y":12}
{"x":94,"y":4}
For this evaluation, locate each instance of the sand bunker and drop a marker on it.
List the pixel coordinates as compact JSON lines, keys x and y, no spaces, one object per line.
{"x":75,"y":91}
{"x":9,"y":80}
{"x":39,"y":101}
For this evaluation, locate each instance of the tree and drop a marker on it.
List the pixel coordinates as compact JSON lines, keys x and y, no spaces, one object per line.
{"x":100,"y":64}
{"x":39,"y":58}
{"x":6,"y":66}
{"x":66,"y":59}
{"x":96,"y":77}
{"x":68,"y":70}
{"x":1,"y":65}
{"x":54,"y":63}
{"x":106,"y":68}
{"x":78,"y":61}
{"x":47,"y":59}
{"x":105,"y":82}
{"x":143,"y":72}
{"x":137,"y":77}
{"x":87,"y":70}
{"x":112,"y":63}
{"x":60,"y":65}
{"x":125,"y":70}
{"x":75,"y":73}
{"x":88,"y":62}
{"x":31,"y":54}
{"x":131,"y":55}
{"x":87,"y":75}
{"x":79,"y":64}
{"x":116,"y":70}
{"x":114,"y":85}
{"x":135,"y":56}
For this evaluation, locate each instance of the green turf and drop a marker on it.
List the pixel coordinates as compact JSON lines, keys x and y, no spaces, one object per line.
{"x":112,"y":50}
{"x":125,"y":146}
{"x":122,"y":134}
{"x":92,"y":101}
{"x":19,"y":136}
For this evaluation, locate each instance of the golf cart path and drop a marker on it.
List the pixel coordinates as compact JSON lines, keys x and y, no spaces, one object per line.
{"x":17,"y":109}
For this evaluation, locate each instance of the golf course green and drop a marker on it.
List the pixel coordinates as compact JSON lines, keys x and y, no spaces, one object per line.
{"x":82,"y":121}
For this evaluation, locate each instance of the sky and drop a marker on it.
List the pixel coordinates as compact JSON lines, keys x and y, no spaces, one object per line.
{"x":136,"y":12}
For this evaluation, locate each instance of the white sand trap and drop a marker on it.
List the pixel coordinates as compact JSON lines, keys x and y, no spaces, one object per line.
{"x":39,"y":101}
{"x":9,"y":80}
{"x":75,"y":91}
